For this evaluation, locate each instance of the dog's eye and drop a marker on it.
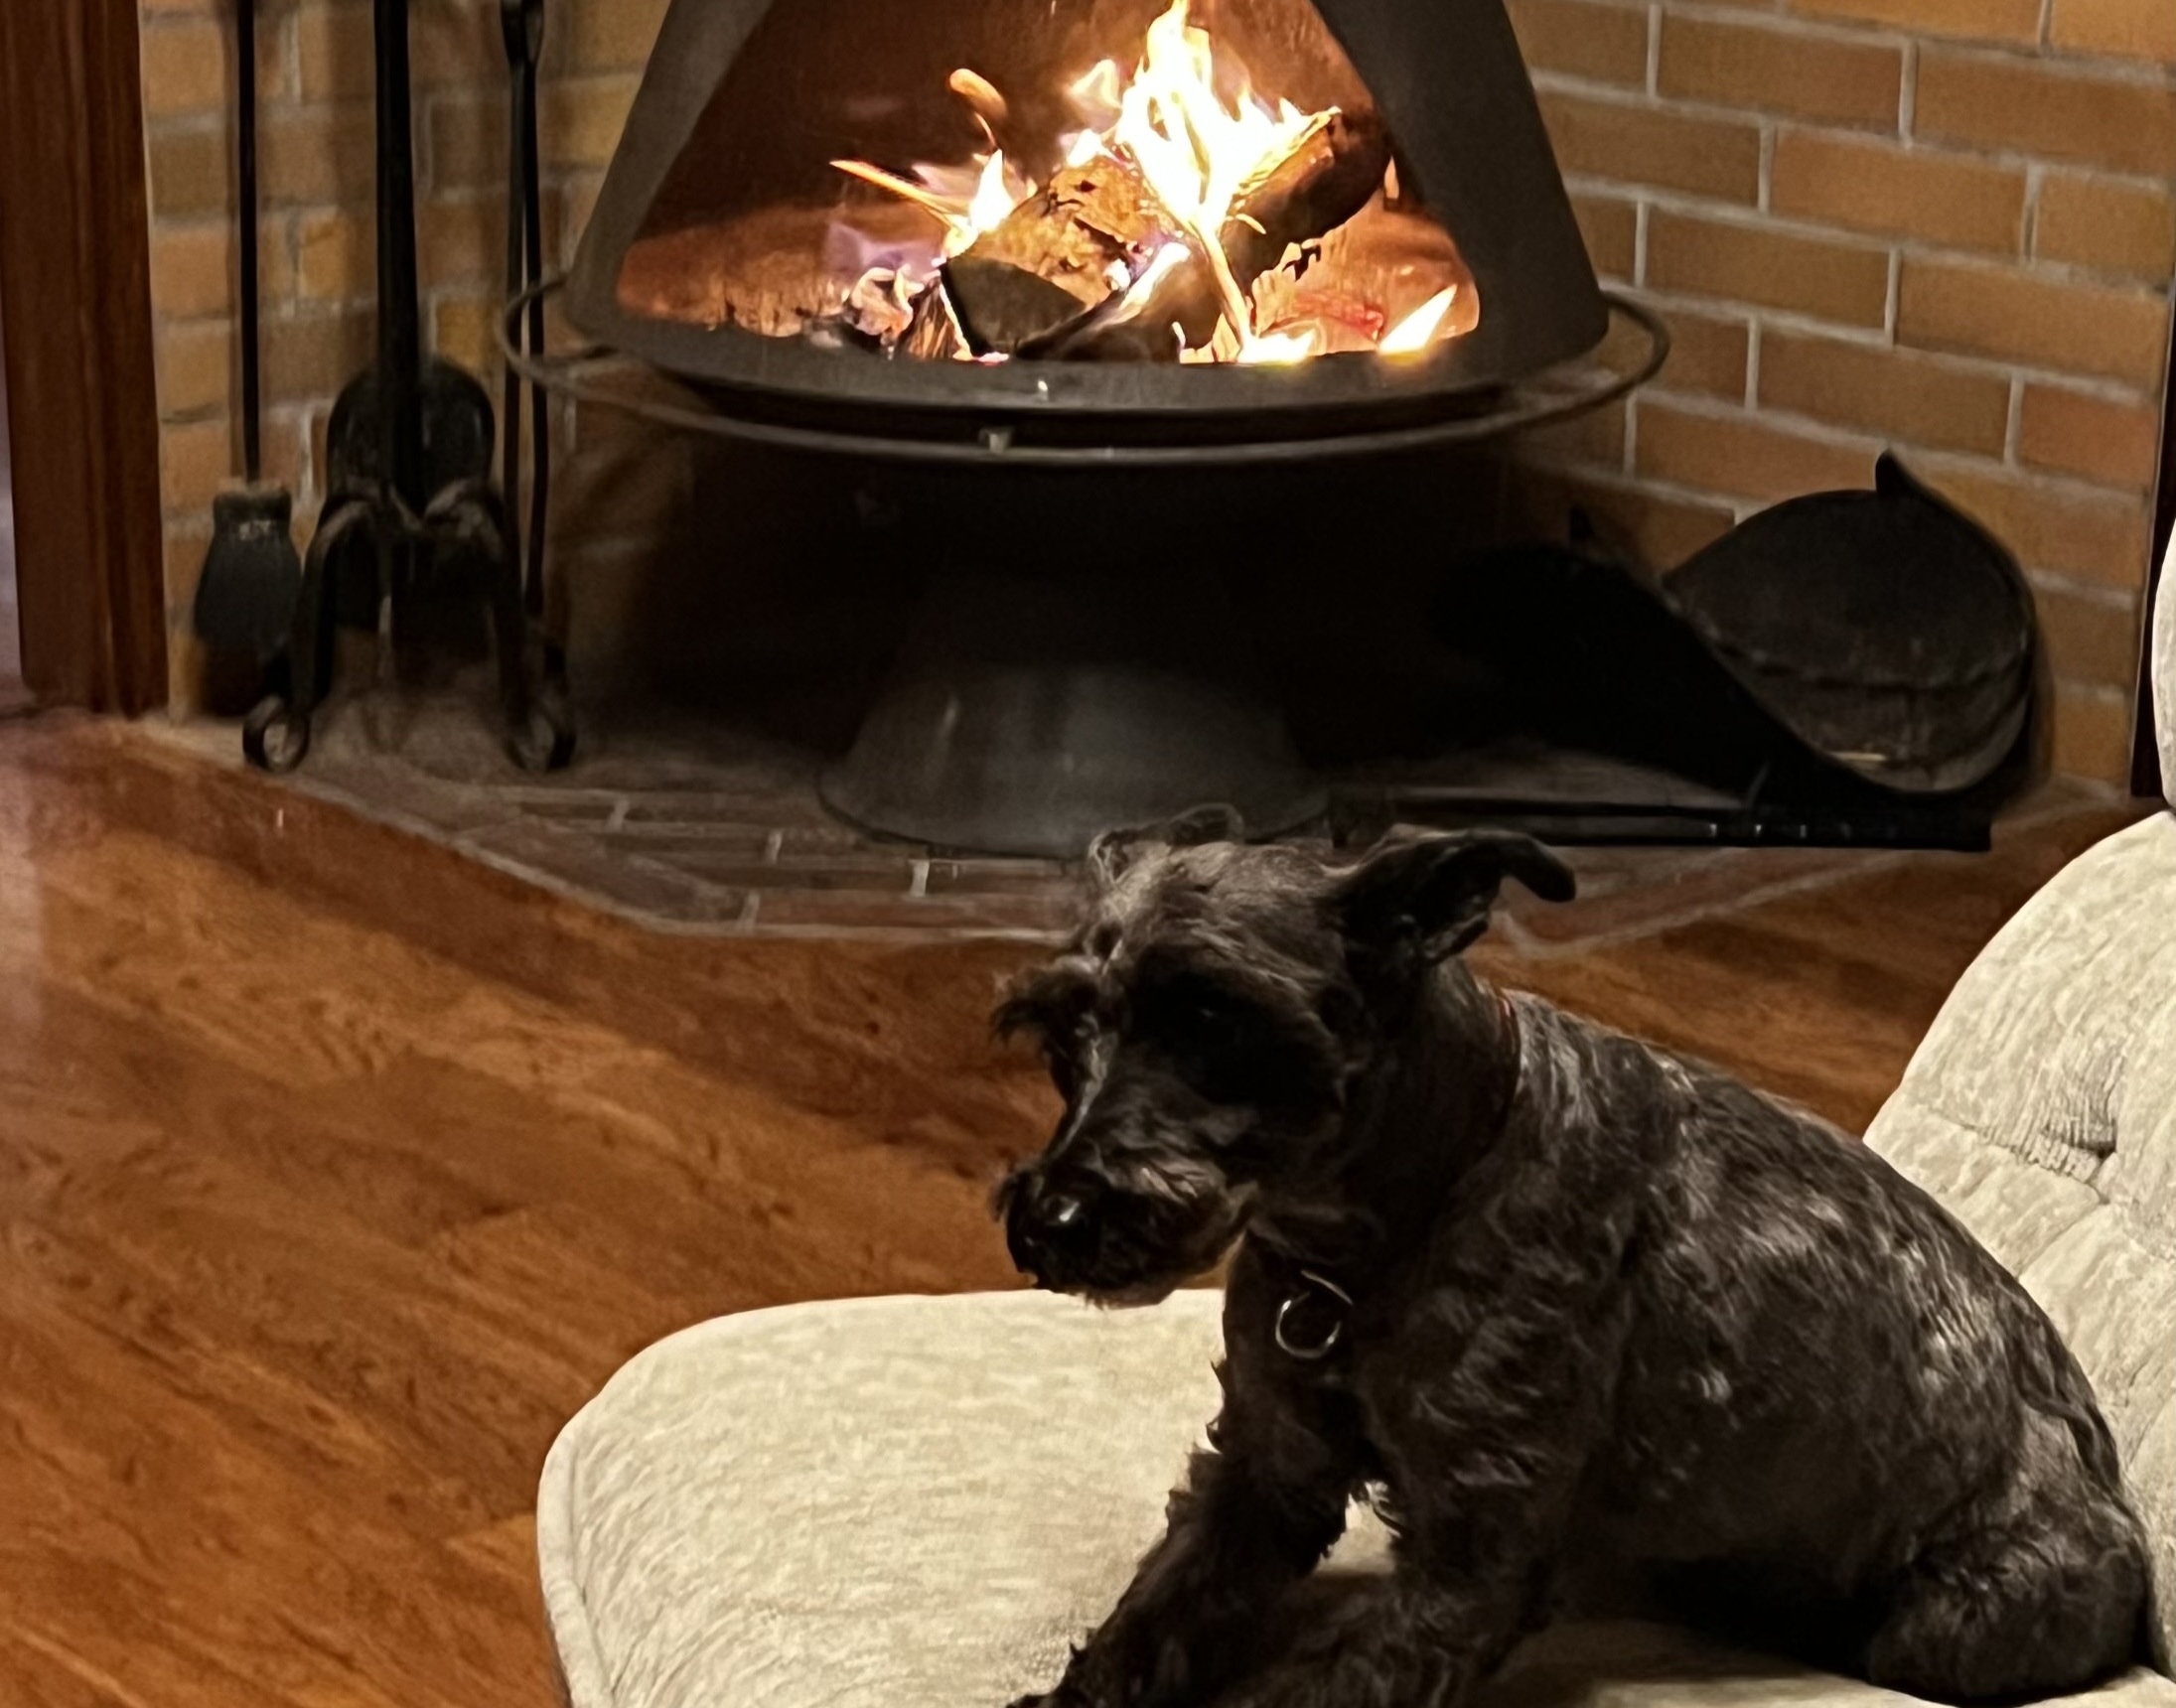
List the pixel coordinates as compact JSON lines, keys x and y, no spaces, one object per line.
{"x":1214,"y":1042}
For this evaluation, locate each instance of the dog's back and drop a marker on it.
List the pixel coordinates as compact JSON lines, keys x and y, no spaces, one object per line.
{"x":1826,"y":1381}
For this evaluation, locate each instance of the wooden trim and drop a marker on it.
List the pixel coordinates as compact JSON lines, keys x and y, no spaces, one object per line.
{"x":82,"y":399}
{"x":2146,"y":780}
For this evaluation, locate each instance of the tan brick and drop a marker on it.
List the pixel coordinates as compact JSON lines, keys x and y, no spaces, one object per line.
{"x":1604,"y":43}
{"x":2087,"y":638}
{"x":1987,"y":20}
{"x":311,"y":355}
{"x":2024,"y":107}
{"x":184,"y":68}
{"x":186,"y":539}
{"x":465,"y":328}
{"x":1644,"y":145}
{"x":2093,"y":733}
{"x":2136,"y":28}
{"x":610,"y":35}
{"x":2070,"y":531}
{"x":1612,"y":231}
{"x":2103,"y":223}
{"x":191,"y":271}
{"x":467,"y":143}
{"x":195,"y":460}
{"x":1744,"y":455}
{"x":1748,"y":64}
{"x":336,"y":256}
{"x":192,"y":172}
{"x":462,"y":242}
{"x":195,"y":363}
{"x":319,"y":155}
{"x":579,"y":201}
{"x":1657,"y":531}
{"x":333,"y":49}
{"x":286,"y":439}
{"x":1775,"y":269}
{"x":2094,"y":438}
{"x":276,"y":281}
{"x":1707,"y":354}
{"x":2022,"y":317}
{"x":1905,"y":398}
{"x":1596,"y":438}
{"x":320,"y":427}
{"x":1907,"y":193}
{"x":581,"y":120}
{"x":448,"y":45}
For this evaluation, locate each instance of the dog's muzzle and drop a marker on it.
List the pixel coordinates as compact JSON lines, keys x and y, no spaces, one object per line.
{"x":1051,"y":1233}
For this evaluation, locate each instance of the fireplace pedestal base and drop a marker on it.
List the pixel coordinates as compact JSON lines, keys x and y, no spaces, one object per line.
{"x":1026,"y":714}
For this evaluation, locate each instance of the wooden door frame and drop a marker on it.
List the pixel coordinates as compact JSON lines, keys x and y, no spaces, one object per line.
{"x":82,"y":399}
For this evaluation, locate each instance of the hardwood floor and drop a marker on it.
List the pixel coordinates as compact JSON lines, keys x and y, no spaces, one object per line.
{"x":335,"y":1171}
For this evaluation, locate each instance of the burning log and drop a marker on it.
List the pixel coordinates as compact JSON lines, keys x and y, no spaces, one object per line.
{"x":1332,"y":175}
{"x":1054,"y":254}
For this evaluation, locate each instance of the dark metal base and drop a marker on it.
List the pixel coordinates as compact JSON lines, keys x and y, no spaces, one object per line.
{"x":1024,"y":716}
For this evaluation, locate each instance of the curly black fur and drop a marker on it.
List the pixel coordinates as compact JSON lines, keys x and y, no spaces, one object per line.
{"x":1625,"y":1334}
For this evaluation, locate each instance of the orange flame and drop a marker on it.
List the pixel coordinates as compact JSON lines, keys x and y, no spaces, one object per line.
{"x":1197,"y":152}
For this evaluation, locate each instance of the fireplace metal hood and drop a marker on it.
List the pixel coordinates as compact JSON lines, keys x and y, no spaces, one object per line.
{"x":746,"y":101}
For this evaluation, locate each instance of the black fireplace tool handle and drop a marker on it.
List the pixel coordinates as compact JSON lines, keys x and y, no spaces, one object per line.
{"x":244,"y":603}
{"x":247,"y":235}
{"x":522,"y":22}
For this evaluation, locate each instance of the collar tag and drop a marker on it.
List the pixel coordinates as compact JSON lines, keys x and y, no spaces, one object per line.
{"x":1293,"y":1336}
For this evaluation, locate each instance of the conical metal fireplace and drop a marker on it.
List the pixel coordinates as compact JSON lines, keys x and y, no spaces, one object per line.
{"x":748,"y":104}
{"x":784,"y":230}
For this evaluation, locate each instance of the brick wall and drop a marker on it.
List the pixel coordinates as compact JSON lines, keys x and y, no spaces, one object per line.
{"x":319,"y":260}
{"x":1948,"y":226}
{"x":1943,"y":225}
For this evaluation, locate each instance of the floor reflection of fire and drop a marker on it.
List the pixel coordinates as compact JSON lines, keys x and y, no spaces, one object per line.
{"x":1186,"y":218}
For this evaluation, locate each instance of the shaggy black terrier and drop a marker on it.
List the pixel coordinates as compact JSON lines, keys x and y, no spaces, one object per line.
{"x":1599,"y":1329}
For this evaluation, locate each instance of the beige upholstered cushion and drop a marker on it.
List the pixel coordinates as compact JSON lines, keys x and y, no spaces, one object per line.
{"x":918,"y":1502}
{"x":2042,"y":1109}
{"x":2164,"y":670}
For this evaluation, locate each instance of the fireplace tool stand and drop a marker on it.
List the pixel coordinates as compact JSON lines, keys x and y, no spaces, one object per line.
{"x":410,"y":492}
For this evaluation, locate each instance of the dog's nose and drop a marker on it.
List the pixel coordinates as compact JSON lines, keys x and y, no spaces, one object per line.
{"x":1062,"y":1212}
{"x":1049,"y":1227}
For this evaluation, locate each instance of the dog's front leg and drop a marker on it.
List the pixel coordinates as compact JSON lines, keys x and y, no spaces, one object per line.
{"x":1484,"y":1463}
{"x":1246,"y":1524}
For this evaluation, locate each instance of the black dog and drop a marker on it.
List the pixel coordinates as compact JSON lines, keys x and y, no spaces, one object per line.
{"x":1600,"y":1329}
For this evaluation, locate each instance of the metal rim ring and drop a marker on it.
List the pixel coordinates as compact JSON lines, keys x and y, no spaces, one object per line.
{"x":573,"y":374}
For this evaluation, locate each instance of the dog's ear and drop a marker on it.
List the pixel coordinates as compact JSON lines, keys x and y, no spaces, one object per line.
{"x":1428,"y":896}
{"x":1111,"y":853}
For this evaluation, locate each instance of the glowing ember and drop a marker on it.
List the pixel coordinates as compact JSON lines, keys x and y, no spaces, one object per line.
{"x":1161,"y":191}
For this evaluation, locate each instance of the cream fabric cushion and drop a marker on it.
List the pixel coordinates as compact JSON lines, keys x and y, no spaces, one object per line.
{"x":920,"y":1502}
{"x":2164,"y":670}
{"x":2041,"y":1108}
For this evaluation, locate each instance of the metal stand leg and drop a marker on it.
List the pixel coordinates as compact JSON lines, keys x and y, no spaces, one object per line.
{"x":275,"y":736}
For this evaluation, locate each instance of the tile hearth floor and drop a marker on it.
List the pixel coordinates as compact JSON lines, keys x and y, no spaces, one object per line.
{"x":703,"y":832}
{"x":695,"y":830}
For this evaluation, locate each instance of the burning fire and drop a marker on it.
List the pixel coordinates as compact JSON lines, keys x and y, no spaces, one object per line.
{"x":1200,"y":161}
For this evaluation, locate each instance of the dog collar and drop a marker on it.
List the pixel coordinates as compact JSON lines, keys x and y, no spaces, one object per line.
{"x":1311,"y":1322}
